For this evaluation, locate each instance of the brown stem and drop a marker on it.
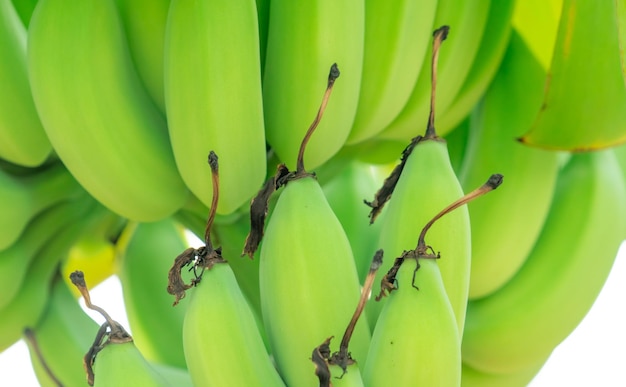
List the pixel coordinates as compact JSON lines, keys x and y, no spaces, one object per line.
{"x":215,"y":178}
{"x":29,"y":334}
{"x":439,"y":36}
{"x":78,"y":279}
{"x":494,"y":182}
{"x":377,"y":261}
{"x":332,"y":76}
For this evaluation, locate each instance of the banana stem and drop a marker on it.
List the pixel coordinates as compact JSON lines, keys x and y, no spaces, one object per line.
{"x":492,"y":183}
{"x":215,"y":178}
{"x":439,"y":36}
{"x":29,"y":334}
{"x":332,"y":76}
{"x":78,"y":279}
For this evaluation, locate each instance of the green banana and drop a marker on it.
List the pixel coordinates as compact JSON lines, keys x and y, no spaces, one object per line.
{"x":426,"y":184}
{"x":345,"y":194}
{"x":145,"y":252}
{"x":96,"y":99}
{"x":467,"y":22}
{"x":537,"y":22}
{"x":597,"y":99}
{"x":416,"y":339}
{"x":485,"y":65}
{"x":309,"y":283}
{"x":23,"y":197}
{"x":15,"y":261}
{"x":457,"y":141}
{"x":22,"y":138}
{"x":396,"y":42}
{"x":144,"y":24}
{"x":522,"y":323}
{"x":520,"y":208}
{"x":213,"y":97}
{"x":121,"y":364}
{"x":28,"y":305}
{"x":304,"y":38}
{"x":64,"y":325}
{"x":307,"y":276}
{"x":223,"y":346}
{"x":473,"y":378}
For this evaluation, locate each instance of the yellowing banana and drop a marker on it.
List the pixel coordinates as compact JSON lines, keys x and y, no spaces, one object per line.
{"x":97,"y":100}
{"x":213,"y":97}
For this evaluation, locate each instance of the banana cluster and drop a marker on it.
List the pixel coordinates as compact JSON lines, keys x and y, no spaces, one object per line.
{"x":110,"y":108}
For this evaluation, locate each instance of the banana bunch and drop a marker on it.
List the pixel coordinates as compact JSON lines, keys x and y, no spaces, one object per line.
{"x":110,"y":108}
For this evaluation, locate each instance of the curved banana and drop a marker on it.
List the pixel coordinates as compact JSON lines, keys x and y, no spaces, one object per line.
{"x":473,"y":378}
{"x":426,"y":184}
{"x":597,"y":99}
{"x":308,"y":280}
{"x":23,"y":197}
{"x":28,"y":305}
{"x":516,"y":215}
{"x":101,"y":122}
{"x":467,"y":20}
{"x":23,"y":140}
{"x":304,"y":39}
{"x":145,"y":252}
{"x":397,"y":37}
{"x":485,"y":65}
{"x":345,"y":193}
{"x":15,"y":261}
{"x":64,"y":327}
{"x":213,"y":97}
{"x":416,"y":339}
{"x":122,"y":364}
{"x":223,"y":346}
{"x":522,"y":323}
{"x":144,"y":23}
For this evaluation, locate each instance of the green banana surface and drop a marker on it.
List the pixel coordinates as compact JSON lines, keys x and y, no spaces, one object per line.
{"x":223,"y":346}
{"x":526,"y":319}
{"x":308,"y":281}
{"x":96,"y":99}
{"x":213,"y":97}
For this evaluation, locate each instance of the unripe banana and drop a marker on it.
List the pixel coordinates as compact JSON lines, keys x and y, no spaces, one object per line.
{"x":467,"y":20}
{"x":304,"y":38}
{"x":145,"y":252}
{"x":473,"y":378}
{"x":22,"y":137}
{"x":425,"y":185}
{"x":61,"y":337}
{"x":307,"y":276}
{"x":416,"y":339}
{"x":15,"y":261}
{"x":221,"y":340}
{"x":345,"y":194}
{"x":308,"y":280}
{"x":486,"y":63}
{"x":521,"y":323}
{"x":23,"y":197}
{"x":213,"y":97}
{"x":144,"y":23}
{"x":396,"y":43}
{"x":28,"y":305}
{"x":517,"y":213}
{"x":121,"y":364}
{"x":97,"y":114}
{"x":597,"y":98}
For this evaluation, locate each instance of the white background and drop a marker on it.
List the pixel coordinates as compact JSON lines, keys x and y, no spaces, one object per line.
{"x":593,"y":355}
